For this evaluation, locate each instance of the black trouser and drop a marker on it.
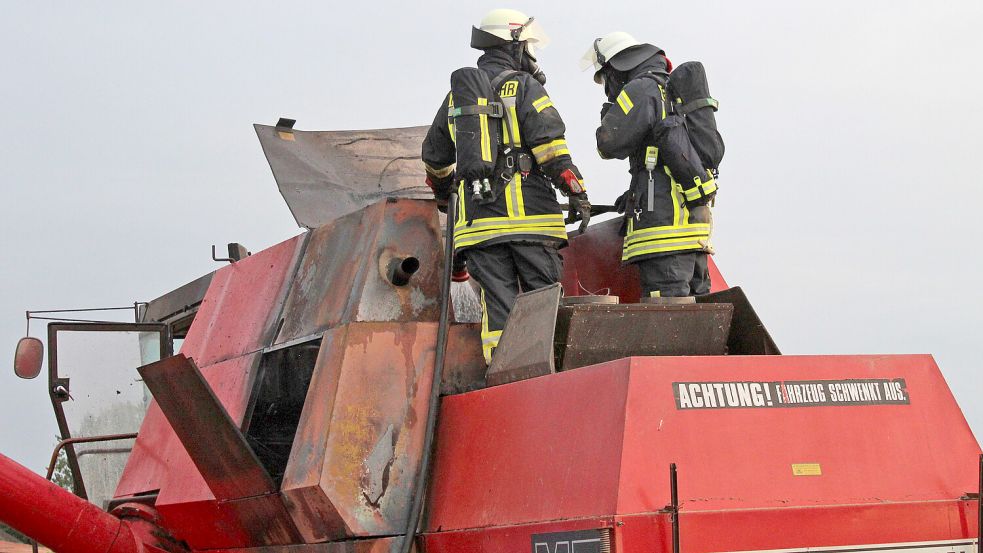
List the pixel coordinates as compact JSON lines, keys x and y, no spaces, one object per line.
{"x":503,"y":271}
{"x":675,"y":275}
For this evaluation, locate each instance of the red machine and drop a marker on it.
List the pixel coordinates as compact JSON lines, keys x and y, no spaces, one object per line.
{"x":294,"y":419}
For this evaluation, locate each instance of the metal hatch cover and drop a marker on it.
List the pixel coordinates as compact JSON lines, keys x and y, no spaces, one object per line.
{"x":323,"y":175}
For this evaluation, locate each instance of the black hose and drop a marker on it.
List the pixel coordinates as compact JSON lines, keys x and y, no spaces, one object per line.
{"x":423,"y":474}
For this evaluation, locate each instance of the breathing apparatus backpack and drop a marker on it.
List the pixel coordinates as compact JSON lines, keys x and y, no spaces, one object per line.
{"x":485,"y":162}
{"x":687,"y":139}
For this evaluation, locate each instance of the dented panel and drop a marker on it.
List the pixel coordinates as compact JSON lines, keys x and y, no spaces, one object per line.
{"x":360,"y":437}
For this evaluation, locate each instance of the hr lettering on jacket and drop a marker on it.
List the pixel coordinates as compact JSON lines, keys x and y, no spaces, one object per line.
{"x":798,"y":393}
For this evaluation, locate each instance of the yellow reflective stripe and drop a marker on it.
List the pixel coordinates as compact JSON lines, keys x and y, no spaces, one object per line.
{"x":520,"y":203}
{"x":514,"y":119}
{"x":662,"y":247}
{"x":504,"y":221}
{"x":667,"y":233}
{"x":625,"y":102}
{"x":509,"y":195}
{"x":512,"y":229}
{"x":485,"y":137}
{"x":550,"y":151}
{"x":450,"y":120}
{"x":489,"y":338}
{"x":662,"y":91}
{"x":559,"y":234}
{"x":676,"y":219}
{"x":461,"y":206}
{"x":542,"y":103}
{"x":655,"y":294}
{"x":439,"y":173}
{"x":514,"y":202}
{"x":708,"y":187}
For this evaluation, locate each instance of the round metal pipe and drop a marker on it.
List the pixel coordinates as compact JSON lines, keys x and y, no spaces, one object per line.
{"x":403,"y":270}
{"x":56,"y":518}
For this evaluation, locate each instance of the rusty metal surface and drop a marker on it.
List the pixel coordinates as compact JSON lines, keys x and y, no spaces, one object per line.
{"x":590,"y":334}
{"x":345,"y":273}
{"x":239,"y":312}
{"x":324,"y":175}
{"x":526,"y":347}
{"x":380,"y":545}
{"x":358,"y":446}
{"x":209,"y":435}
{"x":748,"y":335}
{"x":465,"y":368}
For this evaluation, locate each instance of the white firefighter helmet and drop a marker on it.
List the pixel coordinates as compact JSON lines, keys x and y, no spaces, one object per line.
{"x":503,"y":26}
{"x":605,"y":51}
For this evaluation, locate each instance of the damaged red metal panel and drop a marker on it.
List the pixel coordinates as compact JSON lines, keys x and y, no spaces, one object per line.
{"x":359,"y":440}
{"x":345,"y":275}
{"x":186,"y":504}
{"x":240,"y":309}
{"x":209,"y":435}
{"x":159,"y":461}
{"x":592,"y":265}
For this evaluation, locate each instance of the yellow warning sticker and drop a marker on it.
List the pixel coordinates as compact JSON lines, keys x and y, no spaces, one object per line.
{"x":284,"y":135}
{"x":806,"y":469}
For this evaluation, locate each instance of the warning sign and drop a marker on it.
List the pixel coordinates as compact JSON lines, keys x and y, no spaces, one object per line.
{"x":791,"y":393}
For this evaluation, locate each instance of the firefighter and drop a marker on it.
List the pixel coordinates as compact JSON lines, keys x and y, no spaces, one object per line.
{"x":666,"y":235}
{"x":510,"y":244}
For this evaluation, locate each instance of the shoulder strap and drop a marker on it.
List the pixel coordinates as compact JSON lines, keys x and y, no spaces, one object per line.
{"x":693,"y":105}
{"x":501,"y":78}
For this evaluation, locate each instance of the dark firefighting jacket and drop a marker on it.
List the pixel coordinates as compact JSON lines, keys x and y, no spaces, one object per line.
{"x":656,"y":223}
{"x":527,"y":210}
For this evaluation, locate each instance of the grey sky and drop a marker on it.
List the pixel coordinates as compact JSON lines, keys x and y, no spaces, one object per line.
{"x":848,"y":203}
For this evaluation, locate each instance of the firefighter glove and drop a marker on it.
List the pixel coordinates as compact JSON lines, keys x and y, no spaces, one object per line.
{"x":579,"y":210}
{"x":572,"y":183}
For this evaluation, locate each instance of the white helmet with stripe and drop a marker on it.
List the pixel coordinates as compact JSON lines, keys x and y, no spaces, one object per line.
{"x":605,"y":51}
{"x":502,"y":26}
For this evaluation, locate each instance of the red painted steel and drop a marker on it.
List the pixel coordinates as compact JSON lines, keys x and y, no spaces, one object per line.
{"x":240,"y":311}
{"x":187,"y":506}
{"x":888,"y":473}
{"x":59,"y":519}
{"x":592,"y":265}
{"x":210,"y":436}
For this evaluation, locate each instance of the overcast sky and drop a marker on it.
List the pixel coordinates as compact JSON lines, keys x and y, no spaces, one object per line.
{"x":848,"y":203}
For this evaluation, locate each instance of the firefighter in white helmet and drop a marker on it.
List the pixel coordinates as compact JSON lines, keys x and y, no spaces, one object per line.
{"x":666,"y":234}
{"x":510,"y":241}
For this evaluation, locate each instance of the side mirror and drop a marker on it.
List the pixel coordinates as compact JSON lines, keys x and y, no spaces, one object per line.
{"x":28,"y":357}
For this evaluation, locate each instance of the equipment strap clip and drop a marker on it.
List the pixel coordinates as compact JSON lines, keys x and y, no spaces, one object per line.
{"x":493,"y":109}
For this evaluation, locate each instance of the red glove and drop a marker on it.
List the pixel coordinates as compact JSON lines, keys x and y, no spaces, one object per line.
{"x":573,"y":185}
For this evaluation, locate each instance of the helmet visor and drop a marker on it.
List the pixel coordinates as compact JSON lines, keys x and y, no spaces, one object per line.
{"x":533,"y":33}
{"x":589,"y":59}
